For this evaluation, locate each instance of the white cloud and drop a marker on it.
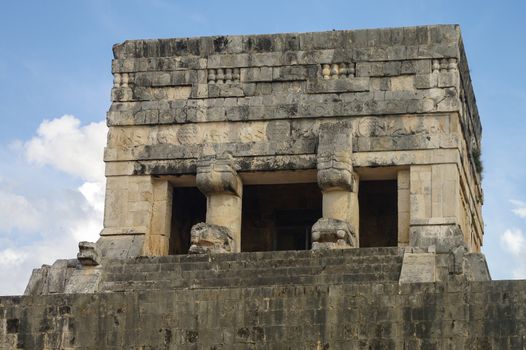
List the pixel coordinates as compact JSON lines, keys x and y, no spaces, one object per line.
{"x":11,"y":261}
{"x":17,"y":213}
{"x":18,"y":261}
{"x":520,"y":208}
{"x":94,"y":194}
{"x":12,"y":257}
{"x":41,"y":228}
{"x":514,"y":242}
{"x":87,"y":229}
{"x":64,"y":219}
{"x":67,"y":146}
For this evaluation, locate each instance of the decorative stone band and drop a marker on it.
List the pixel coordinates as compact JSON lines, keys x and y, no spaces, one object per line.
{"x":338,"y":70}
{"x":223,"y":76}
{"x":216,"y":174}
{"x":333,"y":234}
{"x":208,"y":238}
{"x":444,"y":64}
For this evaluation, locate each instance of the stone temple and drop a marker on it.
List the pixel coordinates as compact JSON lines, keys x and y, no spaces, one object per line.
{"x":286,"y":191}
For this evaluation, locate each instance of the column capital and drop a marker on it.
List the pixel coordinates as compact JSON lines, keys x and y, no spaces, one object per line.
{"x":217,"y":174}
{"x":335,"y":172}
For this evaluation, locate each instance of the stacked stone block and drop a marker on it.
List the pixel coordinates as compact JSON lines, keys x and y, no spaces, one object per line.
{"x":405,"y":94}
{"x":254,"y":269}
{"x":330,"y":108}
{"x":381,"y":315}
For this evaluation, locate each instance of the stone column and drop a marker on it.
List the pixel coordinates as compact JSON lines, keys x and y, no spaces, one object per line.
{"x":403,"y":207}
{"x":127,"y":216}
{"x":137,"y":217}
{"x":338,"y":226}
{"x":438,"y":249}
{"x":158,"y":239}
{"x":435,"y":216}
{"x":219,"y":182}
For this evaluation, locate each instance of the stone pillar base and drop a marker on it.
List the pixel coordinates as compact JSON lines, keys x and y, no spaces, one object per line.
{"x":208,"y":238}
{"x":120,"y":246}
{"x":332,"y":234}
{"x":438,"y":253}
{"x":441,"y":237}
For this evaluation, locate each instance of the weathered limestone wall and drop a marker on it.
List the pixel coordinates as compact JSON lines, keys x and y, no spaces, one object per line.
{"x":305,"y":267}
{"x":405,"y":95}
{"x":136,"y":217}
{"x":472,"y":315}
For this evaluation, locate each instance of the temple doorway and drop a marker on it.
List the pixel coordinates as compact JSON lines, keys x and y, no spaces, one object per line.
{"x":279,"y":216}
{"x":378,"y":213}
{"x":188,"y":209}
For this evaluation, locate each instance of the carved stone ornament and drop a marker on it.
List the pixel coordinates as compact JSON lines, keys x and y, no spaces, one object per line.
{"x":88,"y":254}
{"x":338,"y":70}
{"x":335,"y":172}
{"x":207,"y":238}
{"x":216,"y":174}
{"x":333,"y":234}
{"x":334,"y":154}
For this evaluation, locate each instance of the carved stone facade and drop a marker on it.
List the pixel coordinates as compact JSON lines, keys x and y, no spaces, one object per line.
{"x":383,"y":121}
{"x":299,"y":191}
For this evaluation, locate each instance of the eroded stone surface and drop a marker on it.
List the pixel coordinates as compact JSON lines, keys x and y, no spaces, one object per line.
{"x":336,"y":108}
{"x":88,"y":254}
{"x":209,"y":238}
{"x":333,"y":108}
{"x":469,"y":315}
{"x":333,"y":234}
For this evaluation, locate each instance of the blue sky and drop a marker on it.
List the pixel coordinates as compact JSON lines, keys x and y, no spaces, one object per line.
{"x":55,"y":86}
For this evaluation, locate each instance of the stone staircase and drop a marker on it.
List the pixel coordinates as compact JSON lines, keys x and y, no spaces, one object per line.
{"x":253,"y":269}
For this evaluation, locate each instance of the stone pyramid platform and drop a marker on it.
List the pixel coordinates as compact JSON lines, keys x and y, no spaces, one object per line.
{"x":254,"y":269}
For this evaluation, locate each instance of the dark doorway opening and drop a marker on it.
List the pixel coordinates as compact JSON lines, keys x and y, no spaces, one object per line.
{"x":279,"y":217}
{"x":188,"y":209}
{"x":378,"y":213}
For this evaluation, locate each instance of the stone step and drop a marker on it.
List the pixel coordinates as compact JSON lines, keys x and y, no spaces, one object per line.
{"x":248,"y":263}
{"x":254,"y":265}
{"x":255,"y":269}
{"x":391,"y":268}
{"x":266,"y":259}
{"x":271,"y":255}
